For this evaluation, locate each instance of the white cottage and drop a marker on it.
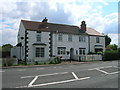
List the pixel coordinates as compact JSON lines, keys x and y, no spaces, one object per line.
{"x":39,"y":41}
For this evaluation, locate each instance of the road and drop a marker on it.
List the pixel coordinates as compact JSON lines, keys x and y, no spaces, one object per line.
{"x":87,"y":75}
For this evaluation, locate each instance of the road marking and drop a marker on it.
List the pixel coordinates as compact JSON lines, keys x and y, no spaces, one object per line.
{"x":116,"y":67}
{"x":58,"y":82}
{"x":54,"y":67}
{"x":102,"y":71}
{"x":21,"y":70}
{"x":2,"y":71}
{"x":100,"y":67}
{"x":44,"y":75}
{"x":39,"y":68}
{"x":30,"y":84}
{"x":113,"y":73}
{"x":75,"y":76}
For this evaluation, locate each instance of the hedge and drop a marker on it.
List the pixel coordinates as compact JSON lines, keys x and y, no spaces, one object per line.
{"x":111,"y":55}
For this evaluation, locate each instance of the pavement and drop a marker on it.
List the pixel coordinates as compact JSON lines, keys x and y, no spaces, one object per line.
{"x":44,"y":65}
{"x":76,"y":75}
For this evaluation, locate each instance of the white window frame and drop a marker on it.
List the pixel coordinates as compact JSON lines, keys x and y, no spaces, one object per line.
{"x":70,"y":38}
{"x":61,"y":50}
{"x":82,"y":39}
{"x":39,"y":52}
{"x":60,"y":37}
{"x":82,"y":51}
{"x":38,"y":37}
{"x":97,"y":39}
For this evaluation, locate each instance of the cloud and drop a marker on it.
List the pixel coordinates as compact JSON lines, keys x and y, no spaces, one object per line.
{"x":63,"y":11}
{"x":114,"y":38}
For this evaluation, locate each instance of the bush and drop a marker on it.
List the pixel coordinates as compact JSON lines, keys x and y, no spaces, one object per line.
{"x":111,"y":55}
{"x":7,"y":61}
{"x":56,"y":60}
{"x":36,"y":63}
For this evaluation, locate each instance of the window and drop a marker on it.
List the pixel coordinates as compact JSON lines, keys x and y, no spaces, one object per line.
{"x":60,"y":37}
{"x":38,"y":37}
{"x":97,"y":39}
{"x":82,"y":39}
{"x":61,"y":50}
{"x":40,"y":52}
{"x":70,"y":38}
{"x":81,"y":51}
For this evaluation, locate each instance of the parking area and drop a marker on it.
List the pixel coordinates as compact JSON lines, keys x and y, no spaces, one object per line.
{"x":65,"y":77}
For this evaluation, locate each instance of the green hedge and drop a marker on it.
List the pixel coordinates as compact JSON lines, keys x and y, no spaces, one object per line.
{"x":111,"y":55}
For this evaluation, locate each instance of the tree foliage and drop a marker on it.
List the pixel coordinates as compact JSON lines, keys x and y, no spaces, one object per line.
{"x":113,"y":47}
{"x":107,"y":40}
{"x":6,"y":47}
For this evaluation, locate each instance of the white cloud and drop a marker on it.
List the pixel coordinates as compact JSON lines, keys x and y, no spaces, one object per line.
{"x":114,"y":38}
{"x":63,"y":11}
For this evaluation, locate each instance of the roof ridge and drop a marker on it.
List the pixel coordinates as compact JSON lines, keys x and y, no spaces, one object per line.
{"x":51,"y":23}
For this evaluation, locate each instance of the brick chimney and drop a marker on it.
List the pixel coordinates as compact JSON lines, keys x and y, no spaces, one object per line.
{"x":83,"y":26}
{"x":45,"y":20}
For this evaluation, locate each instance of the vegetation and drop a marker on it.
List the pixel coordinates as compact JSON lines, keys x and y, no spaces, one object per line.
{"x":6,"y":47}
{"x":55,"y":60}
{"x":107,"y":40}
{"x":112,"y":47}
{"x":112,"y":54}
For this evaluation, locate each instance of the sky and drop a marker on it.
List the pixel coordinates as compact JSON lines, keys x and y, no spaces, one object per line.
{"x":101,"y":15}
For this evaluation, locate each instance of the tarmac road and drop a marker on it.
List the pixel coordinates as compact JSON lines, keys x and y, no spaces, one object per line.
{"x":87,"y":75}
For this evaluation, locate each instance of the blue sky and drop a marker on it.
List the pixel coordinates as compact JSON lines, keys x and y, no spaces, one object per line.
{"x":101,"y":15}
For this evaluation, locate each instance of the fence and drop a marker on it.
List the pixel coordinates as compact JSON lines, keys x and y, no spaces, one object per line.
{"x":88,"y":57}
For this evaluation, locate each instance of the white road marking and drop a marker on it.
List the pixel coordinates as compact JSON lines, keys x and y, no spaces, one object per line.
{"x":75,"y":76}
{"x":100,"y":67}
{"x":2,"y":71}
{"x":54,"y":67}
{"x":102,"y":71}
{"x":116,"y":67}
{"x":58,"y":82}
{"x":44,"y":75}
{"x":113,"y":73}
{"x":21,"y":70}
{"x":30,"y":84}
{"x":39,"y":68}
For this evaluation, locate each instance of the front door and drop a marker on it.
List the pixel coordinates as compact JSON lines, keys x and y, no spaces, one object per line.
{"x":72,"y":54}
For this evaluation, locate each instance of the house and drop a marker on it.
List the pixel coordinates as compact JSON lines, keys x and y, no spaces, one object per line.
{"x":39,"y":41}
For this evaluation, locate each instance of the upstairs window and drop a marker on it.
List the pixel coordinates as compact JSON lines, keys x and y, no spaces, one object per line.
{"x":38,"y":37}
{"x":70,"y":38}
{"x":59,"y":37}
{"x":82,"y":39}
{"x":97,"y":40}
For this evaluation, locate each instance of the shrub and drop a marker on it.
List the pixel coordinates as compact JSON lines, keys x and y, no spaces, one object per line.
{"x":7,"y":61}
{"x":36,"y":63}
{"x":110,"y":55}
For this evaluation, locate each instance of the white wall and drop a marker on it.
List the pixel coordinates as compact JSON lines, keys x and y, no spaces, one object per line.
{"x":32,"y":40}
{"x":75,"y":44}
{"x":93,"y":43}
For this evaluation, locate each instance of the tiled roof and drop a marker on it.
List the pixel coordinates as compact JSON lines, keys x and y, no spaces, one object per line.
{"x":92,"y":31}
{"x":59,"y":28}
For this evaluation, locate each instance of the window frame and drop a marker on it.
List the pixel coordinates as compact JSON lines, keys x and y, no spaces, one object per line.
{"x":61,"y":50}
{"x":82,"y":39}
{"x":97,"y":39}
{"x":39,"y":52}
{"x":38,"y":37}
{"x":70,"y":38}
{"x":60,"y":37}
{"x":82,"y":51}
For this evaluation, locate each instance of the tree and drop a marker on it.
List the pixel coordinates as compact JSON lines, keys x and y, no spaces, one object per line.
{"x":107,"y":40}
{"x":113,"y":47}
{"x":6,"y":47}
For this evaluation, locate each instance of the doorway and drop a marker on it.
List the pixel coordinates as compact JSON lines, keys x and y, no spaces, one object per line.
{"x":71,"y":54}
